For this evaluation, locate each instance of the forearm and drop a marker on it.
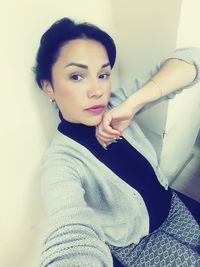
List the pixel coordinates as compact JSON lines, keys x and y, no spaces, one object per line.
{"x":173,"y":75}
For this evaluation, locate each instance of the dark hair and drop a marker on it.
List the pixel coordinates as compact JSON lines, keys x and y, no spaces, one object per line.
{"x":57,"y":35}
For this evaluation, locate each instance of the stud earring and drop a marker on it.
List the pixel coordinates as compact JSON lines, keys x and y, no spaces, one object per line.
{"x":51,"y":100}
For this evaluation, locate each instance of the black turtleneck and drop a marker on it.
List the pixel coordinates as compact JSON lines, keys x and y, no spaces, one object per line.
{"x":126,"y":162}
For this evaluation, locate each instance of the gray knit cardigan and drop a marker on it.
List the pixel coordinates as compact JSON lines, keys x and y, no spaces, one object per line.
{"x":87,"y":205}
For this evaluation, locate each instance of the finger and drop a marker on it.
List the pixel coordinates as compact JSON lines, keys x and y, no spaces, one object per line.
{"x":105,"y":125}
{"x":103,"y":133}
{"x":103,"y":144}
{"x":106,"y":139}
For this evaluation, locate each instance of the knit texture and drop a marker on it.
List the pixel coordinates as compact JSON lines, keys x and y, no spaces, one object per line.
{"x":87,"y":205}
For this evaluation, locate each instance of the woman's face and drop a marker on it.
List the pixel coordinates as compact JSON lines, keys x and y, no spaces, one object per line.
{"x":81,"y":80}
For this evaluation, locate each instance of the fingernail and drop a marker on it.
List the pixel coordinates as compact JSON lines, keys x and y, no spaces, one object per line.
{"x":119,"y":134}
{"x":118,"y":138}
{"x":104,"y":146}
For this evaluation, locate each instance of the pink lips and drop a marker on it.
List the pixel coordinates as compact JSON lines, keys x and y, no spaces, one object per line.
{"x":97,"y":109}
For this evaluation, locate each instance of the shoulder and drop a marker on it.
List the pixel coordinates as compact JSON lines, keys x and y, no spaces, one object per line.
{"x":61,"y":145}
{"x":60,"y":156}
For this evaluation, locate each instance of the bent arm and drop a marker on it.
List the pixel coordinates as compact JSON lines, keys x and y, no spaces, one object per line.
{"x":174,"y":73}
{"x":71,"y":236}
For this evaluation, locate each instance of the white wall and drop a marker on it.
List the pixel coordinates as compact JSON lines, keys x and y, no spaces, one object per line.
{"x":188,"y":28}
{"x":28,"y":119}
{"x":183,"y":120}
{"x":145,"y":31}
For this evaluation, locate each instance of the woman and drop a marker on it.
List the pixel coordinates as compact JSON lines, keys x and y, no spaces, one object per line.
{"x":102,"y":198}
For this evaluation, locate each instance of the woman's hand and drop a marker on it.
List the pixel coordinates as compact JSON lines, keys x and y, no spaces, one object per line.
{"x":114,"y":122}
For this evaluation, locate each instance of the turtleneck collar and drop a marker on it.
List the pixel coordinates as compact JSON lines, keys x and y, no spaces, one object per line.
{"x":77,"y":131}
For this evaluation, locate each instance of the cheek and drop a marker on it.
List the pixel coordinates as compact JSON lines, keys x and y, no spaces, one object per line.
{"x":72,"y":97}
{"x":108,"y":90}
{"x":65,"y":90}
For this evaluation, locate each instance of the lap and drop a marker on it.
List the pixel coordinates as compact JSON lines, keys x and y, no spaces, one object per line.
{"x":176,"y":241}
{"x":181,"y":224}
{"x":191,"y":204}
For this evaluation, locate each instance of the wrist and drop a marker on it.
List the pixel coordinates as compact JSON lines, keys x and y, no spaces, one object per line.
{"x":135,"y":102}
{"x":146,"y":94}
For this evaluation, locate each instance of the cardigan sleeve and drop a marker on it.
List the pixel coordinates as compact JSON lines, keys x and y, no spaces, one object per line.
{"x":71,"y":237}
{"x":190,"y":55}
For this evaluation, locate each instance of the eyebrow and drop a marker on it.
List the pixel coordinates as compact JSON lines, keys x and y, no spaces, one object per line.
{"x":85,"y":66}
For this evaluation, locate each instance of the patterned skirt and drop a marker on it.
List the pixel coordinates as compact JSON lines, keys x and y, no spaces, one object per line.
{"x":176,"y":243}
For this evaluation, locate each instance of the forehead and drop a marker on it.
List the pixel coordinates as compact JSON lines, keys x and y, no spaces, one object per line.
{"x":83,"y":49}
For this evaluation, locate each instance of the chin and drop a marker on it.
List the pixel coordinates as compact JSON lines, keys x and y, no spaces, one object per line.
{"x":93,"y":121}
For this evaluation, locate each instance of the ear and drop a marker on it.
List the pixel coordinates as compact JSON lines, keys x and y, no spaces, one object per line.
{"x":47,"y":88}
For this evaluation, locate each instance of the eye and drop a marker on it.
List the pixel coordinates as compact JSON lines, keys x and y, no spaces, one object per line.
{"x":76,"y":77}
{"x":104,"y":76}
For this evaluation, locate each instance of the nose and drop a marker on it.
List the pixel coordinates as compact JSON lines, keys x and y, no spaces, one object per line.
{"x":95,"y":89}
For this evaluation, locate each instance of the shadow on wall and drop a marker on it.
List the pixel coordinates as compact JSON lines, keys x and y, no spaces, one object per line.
{"x":47,"y":113}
